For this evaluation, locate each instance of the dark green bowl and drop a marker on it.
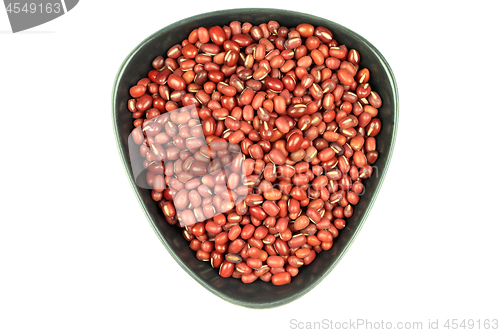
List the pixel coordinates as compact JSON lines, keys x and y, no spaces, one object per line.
{"x":258,"y":294}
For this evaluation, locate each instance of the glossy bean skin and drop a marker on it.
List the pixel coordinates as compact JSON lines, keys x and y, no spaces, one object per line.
{"x":256,"y":141}
{"x":275,"y":261}
{"x":226,"y":269}
{"x":281,"y":279}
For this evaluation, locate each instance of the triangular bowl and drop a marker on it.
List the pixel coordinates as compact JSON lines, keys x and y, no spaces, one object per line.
{"x":258,"y":294}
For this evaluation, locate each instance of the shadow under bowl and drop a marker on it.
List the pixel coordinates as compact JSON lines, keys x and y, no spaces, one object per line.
{"x":258,"y":294}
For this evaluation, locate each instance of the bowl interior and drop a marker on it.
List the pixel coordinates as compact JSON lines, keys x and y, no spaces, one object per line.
{"x":258,"y":294}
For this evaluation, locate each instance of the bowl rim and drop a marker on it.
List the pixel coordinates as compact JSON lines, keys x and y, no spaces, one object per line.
{"x":239,"y":11}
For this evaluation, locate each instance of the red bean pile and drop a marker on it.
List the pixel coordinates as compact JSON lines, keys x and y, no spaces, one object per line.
{"x":256,"y":140}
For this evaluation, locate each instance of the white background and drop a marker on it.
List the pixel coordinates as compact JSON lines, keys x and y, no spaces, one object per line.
{"x":78,"y":255}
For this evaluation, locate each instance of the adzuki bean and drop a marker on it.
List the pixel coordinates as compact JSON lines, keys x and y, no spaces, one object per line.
{"x":256,"y":140}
